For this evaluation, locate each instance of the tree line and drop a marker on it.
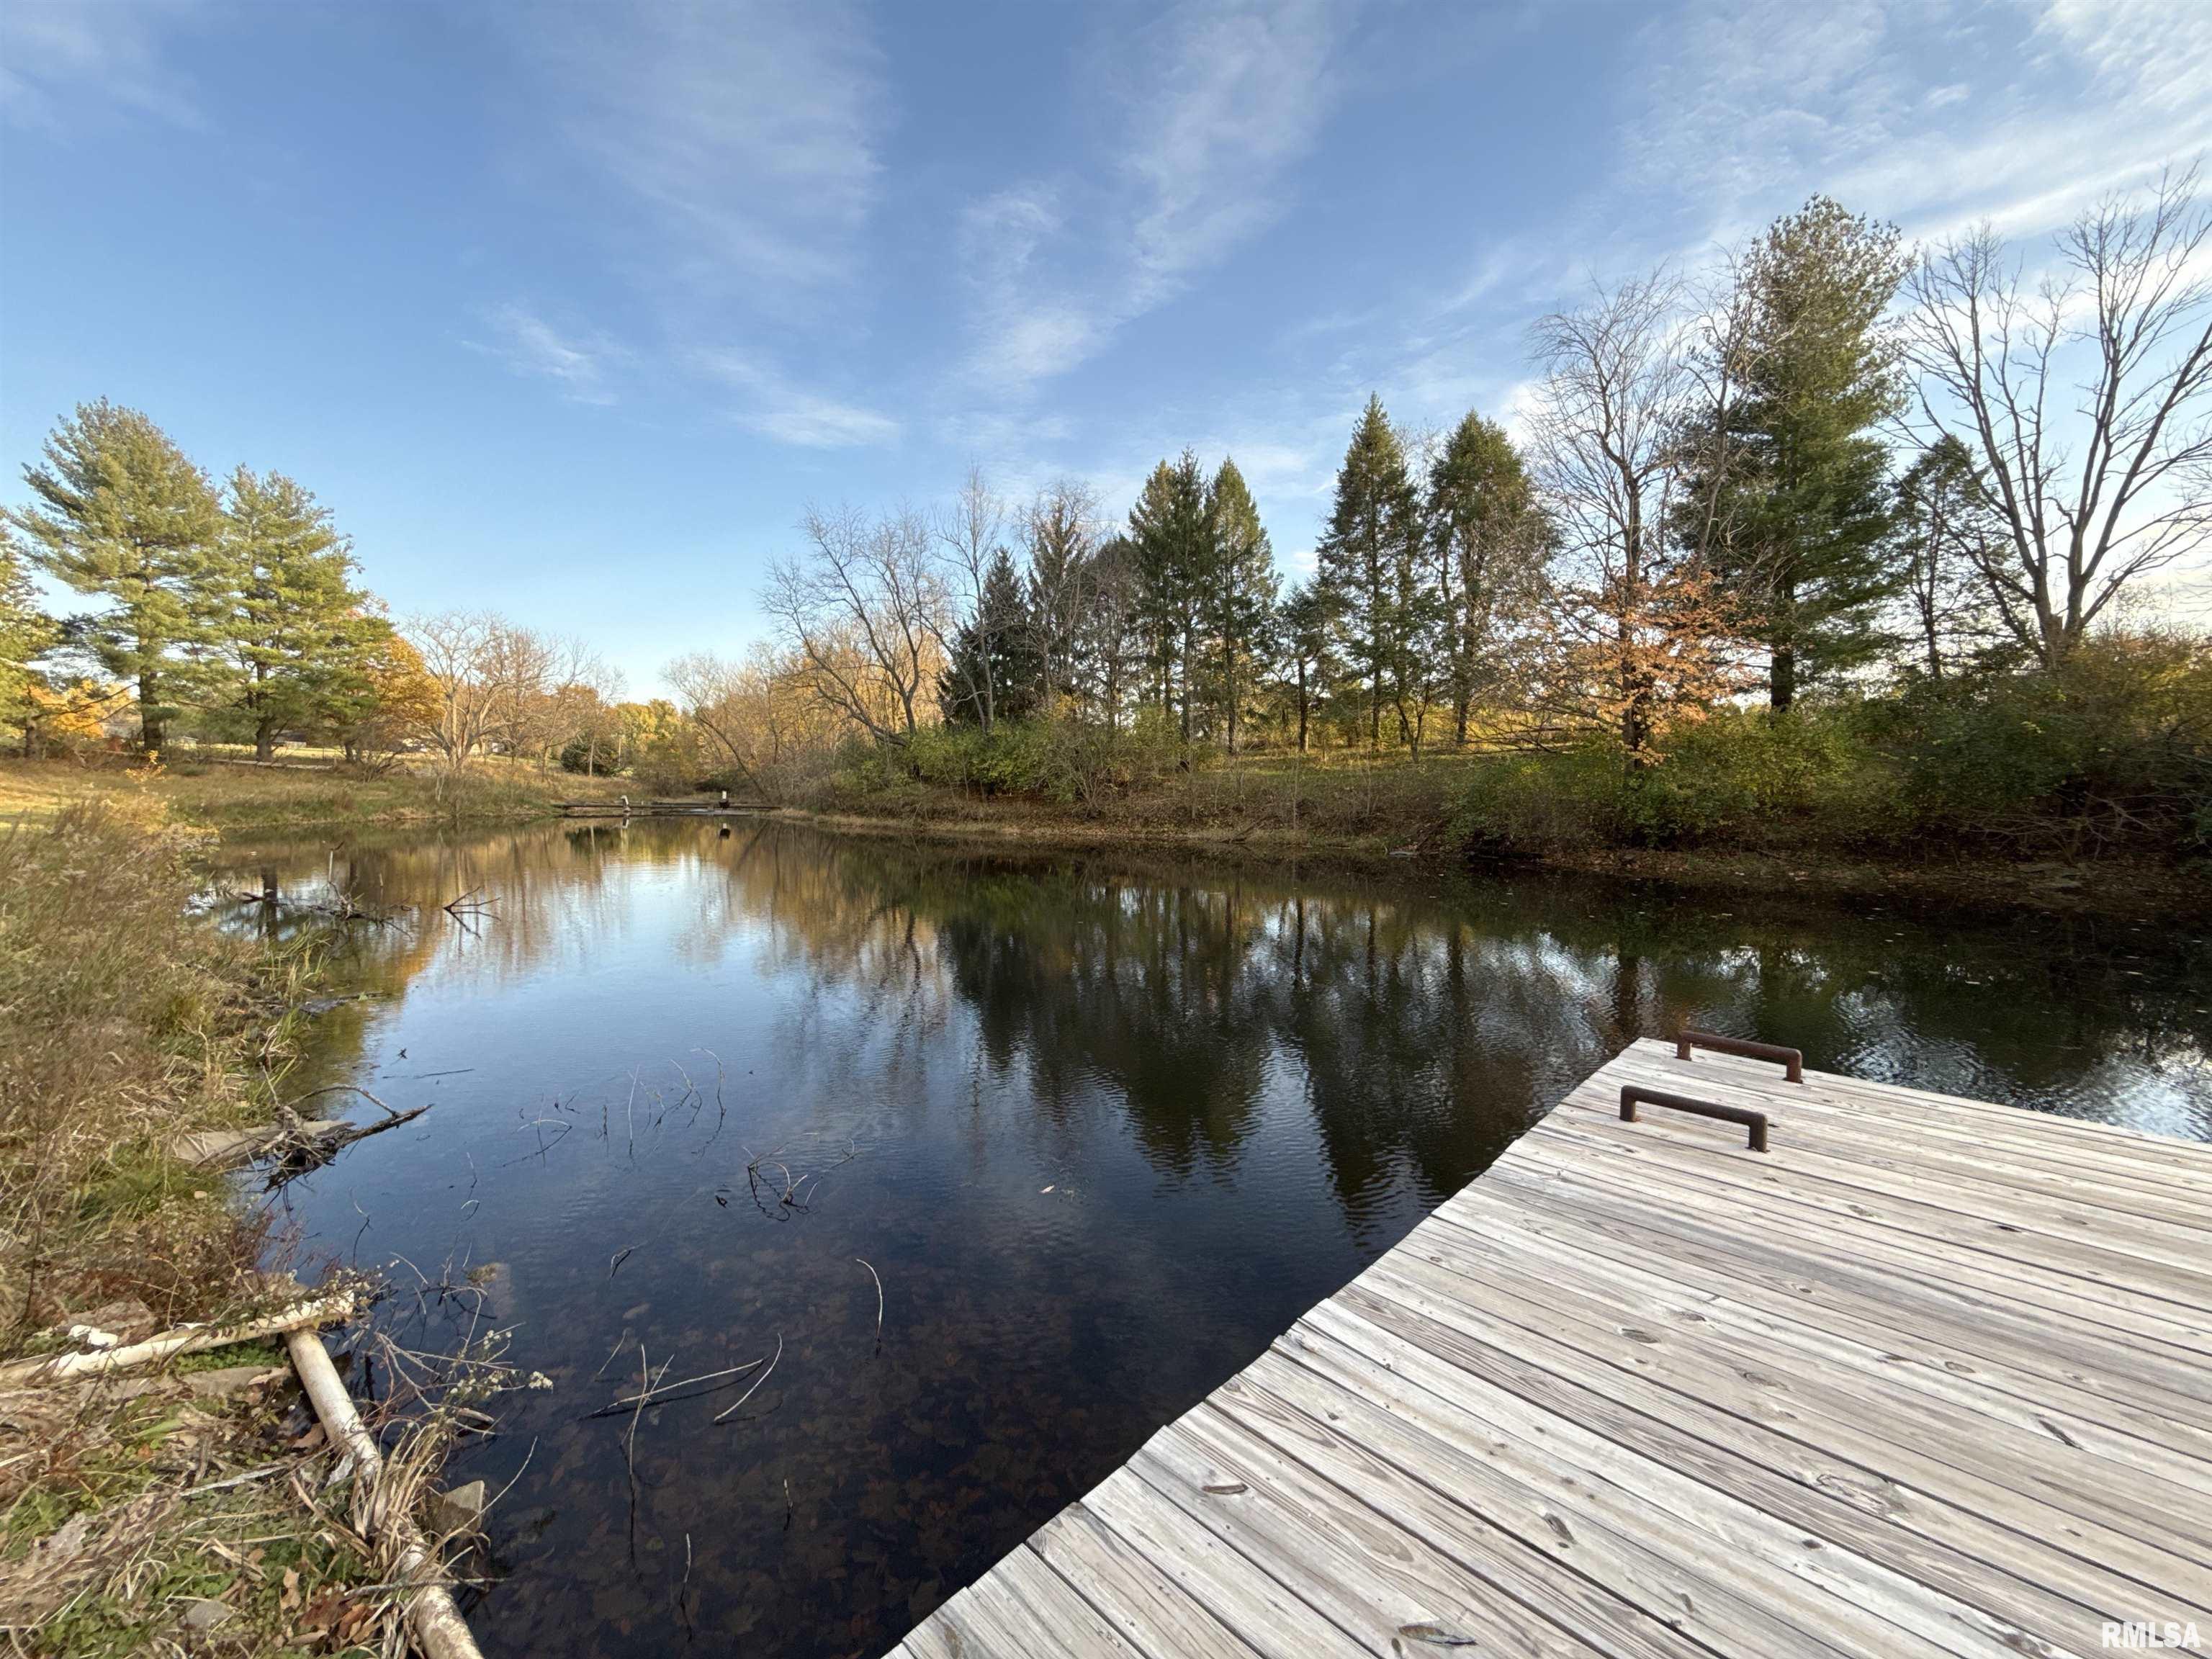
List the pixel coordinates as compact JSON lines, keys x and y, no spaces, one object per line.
{"x":233,"y":611}
{"x":1826,"y":462}
{"x":1827,"y":459}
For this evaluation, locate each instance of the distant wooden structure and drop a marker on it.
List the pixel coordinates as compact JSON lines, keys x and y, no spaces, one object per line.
{"x":1927,"y":1376}
{"x":622,"y":807}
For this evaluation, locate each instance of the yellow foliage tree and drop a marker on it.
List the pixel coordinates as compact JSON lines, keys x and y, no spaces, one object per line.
{"x":71,"y":718}
{"x":400,"y":700}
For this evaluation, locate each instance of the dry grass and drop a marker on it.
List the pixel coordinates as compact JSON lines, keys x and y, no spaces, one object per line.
{"x":124,"y":1509}
{"x":231,"y":797}
{"x":123,"y":1024}
{"x":129,"y":1512}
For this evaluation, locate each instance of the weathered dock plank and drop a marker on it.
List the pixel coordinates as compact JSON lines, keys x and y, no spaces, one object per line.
{"x":1929,"y":1376}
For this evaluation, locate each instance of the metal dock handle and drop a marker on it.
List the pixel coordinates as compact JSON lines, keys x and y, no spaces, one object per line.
{"x":1791,"y":1060}
{"x":1632,"y":1094}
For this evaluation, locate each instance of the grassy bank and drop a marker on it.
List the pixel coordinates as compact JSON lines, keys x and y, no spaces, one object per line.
{"x":1743,"y":804}
{"x":173,"y":1508}
{"x":232,"y":797}
{"x":2087,"y":782}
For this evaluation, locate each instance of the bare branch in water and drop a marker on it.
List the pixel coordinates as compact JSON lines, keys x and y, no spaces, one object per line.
{"x":762,"y":1378}
{"x":664,"y":1393}
{"x":879,"y":1277}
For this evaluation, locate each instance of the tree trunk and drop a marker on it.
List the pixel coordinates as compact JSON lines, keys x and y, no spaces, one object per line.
{"x":1781,"y":670}
{"x":1186,"y":685}
{"x":150,"y":723}
{"x":265,"y":737}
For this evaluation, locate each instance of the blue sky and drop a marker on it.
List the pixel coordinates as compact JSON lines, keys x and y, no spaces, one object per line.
{"x":572,"y":310}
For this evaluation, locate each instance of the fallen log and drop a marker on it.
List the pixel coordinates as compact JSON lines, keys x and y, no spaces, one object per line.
{"x":189,"y":1339}
{"x":296,"y":1143}
{"x":438,"y":1625}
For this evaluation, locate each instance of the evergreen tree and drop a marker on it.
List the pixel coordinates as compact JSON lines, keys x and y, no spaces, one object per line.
{"x":1796,"y":473}
{"x":1487,"y":538}
{"x":1367,"y":559}
{"x":995,"y":672}
{"x":120,"y":511}
{"x":1062,"y":528}
{"x":1173,"y":539}
{"x":1305,"y":643}
{"x":1239,"y":602}
{"x":1110,"y":635}
{"x":301,"y":636}
{"x":26,"y":632}
{"x":1950,"y":534}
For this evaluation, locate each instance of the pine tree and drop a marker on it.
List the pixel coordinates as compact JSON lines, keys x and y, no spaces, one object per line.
{"x":1950,"y":535}
{"x":1062,"y":529}
{"x":26,"y":632}
{"x":120,"y":511}
{"x":1110,"y":636}
{"x":1239,"y":600}
{"x":1175,"y":560}
{"x":301,"y":636}
{"x":1798,"y":475}
{"x":1306,"y":631}
{"x":1487,"y":538}
{"x":995,"y":672}
{"x":1367,"y":557}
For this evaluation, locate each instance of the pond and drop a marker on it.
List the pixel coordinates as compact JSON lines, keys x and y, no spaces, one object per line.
{"x":1100,"y":1127}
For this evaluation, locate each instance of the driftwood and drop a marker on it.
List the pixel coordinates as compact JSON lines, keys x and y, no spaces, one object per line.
{"x":300,"y":1154}
{"x":437,"y":1623}
{"x":189,"y":1339}
{"x":298,"y":1144}
{"x":339,"y":907}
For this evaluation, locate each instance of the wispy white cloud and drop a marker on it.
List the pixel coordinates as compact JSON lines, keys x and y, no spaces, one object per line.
{"x":1750,"y":106}
{"x":57,"y":56}
{"x":775,"y":407}
{"x":1216,"y":102}
{"x":741,"y":137}
{"x":724,"y":156}
{"x":1232,"y":94}
{"x":531,"y":347}
{"x":1029,"y":328}
{"x":2149,"y":51}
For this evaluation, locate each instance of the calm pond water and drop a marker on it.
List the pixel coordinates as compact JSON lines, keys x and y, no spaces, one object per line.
{"x":1103,"y":1127}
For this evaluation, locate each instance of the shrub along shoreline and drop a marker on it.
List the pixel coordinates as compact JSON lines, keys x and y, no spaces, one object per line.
{"x":2089,"y":787}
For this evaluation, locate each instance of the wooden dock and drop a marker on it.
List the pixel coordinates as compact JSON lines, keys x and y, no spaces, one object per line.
{"x":1929,"y":1376}
{"x":657,"y":809}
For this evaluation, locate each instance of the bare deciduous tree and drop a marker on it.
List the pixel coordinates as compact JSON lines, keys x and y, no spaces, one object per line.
{"x":967,"y":536}
{"x":459,"y":652}
{"x":865,"y":608}
{"x":744,"y":706}
{"x":1109,"y":638}
{"x":1636,"y":630}
{"x":2082,"y":400}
